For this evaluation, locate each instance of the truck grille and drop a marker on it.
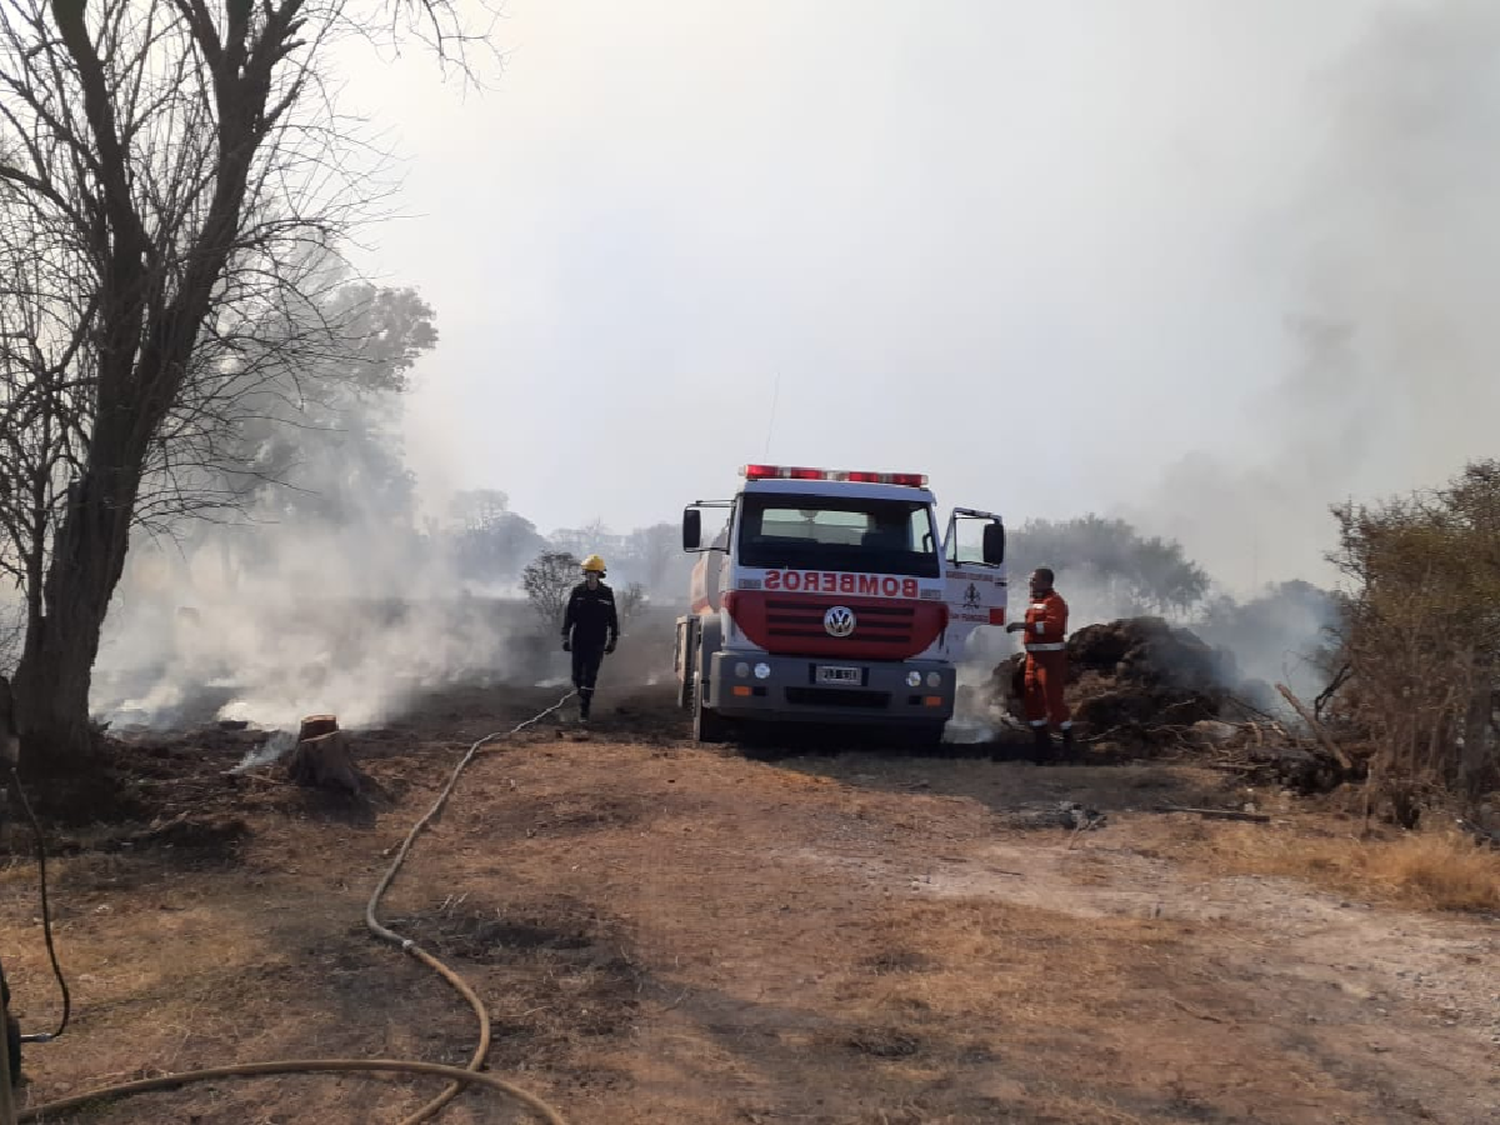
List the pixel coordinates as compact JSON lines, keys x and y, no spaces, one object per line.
{"x":889,"y":624}
{"x":884,"y":629}
{"x":838,"y":697}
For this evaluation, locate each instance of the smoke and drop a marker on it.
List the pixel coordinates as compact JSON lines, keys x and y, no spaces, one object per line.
{"x":1390,"y":244}
{"x":273,"y":749}
{"x":327,"y":598}
{"x":1282,"y":636}
{"x":324,"y":595}
{"x":357,"y":622}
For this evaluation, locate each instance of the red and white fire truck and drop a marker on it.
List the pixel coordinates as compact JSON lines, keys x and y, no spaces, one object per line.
{"x":830,"y":597}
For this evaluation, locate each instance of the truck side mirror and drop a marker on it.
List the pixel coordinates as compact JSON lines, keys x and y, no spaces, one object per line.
{"x":994,"y":543}
{"x":692,"y":529}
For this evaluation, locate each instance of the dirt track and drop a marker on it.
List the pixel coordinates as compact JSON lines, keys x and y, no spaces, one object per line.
{"x":669,"y":934}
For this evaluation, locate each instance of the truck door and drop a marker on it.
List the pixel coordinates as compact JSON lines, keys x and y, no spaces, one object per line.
{"x":974,"y":560}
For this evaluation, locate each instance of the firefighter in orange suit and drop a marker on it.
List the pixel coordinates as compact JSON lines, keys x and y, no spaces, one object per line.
{"x":1044,"y":630}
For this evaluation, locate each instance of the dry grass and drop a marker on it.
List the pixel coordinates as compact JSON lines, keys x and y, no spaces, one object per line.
{"x":1425,"y":870}
{"x":975,"y":958}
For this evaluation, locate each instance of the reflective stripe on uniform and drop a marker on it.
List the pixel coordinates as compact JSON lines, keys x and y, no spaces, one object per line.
{"x":1059,"y":646}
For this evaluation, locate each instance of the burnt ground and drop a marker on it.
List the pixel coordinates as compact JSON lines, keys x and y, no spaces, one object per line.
{"x":667,"y":933}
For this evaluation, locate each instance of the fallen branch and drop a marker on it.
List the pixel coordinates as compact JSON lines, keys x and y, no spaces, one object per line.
{"x":1317,"y":729}
{"x":1217,"y":814}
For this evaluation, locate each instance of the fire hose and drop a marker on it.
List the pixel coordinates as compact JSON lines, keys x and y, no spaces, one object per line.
{"x":41,"y":866}
{"x":459,"y":1078}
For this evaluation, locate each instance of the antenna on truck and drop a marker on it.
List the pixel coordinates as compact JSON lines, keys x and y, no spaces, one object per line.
{"x":771,"y":422}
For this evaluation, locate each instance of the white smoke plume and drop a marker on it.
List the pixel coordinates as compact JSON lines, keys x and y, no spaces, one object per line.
{"x":1389,"y":242}
{"x":354,"y":622}
{"x":331,"y":591}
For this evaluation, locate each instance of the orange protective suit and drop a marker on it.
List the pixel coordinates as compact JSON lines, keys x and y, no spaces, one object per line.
{"x":1047,"y":662}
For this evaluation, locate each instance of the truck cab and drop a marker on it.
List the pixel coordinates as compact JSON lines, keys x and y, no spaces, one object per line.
{"x":829,"y":596}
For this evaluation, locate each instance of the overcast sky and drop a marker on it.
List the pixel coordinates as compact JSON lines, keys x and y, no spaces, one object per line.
{"x":1045,"y":252}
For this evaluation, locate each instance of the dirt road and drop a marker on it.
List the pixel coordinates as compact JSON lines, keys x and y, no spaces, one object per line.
{"x":667,"y":934}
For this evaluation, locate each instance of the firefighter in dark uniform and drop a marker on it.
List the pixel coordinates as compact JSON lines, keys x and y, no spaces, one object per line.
{"x":590,"y":630}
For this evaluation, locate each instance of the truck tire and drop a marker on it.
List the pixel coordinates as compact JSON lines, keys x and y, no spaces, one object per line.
{"x":708,"y":726}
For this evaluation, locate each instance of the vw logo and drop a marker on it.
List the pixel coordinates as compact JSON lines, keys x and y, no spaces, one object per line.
{"x":839,"y":621}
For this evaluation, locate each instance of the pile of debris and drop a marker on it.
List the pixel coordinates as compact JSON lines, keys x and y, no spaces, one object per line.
{"x":1132,"y":681}
{"x":1138,"y":687}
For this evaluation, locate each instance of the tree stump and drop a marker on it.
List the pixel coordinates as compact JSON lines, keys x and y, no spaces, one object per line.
{"x":321,"y":759}
{"x":315,"y":726}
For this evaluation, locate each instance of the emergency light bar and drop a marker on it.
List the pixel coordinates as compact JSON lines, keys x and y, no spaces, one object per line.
{"x":787,"y":472}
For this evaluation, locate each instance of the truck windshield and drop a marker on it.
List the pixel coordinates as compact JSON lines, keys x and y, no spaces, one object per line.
{"x":835,"y":533}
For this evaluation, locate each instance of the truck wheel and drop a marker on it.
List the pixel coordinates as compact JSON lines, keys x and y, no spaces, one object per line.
{"x":707,"y":725}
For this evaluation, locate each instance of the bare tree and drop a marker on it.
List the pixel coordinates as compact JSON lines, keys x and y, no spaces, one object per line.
{"x":548,"y":580}
{"x":172,"y":176}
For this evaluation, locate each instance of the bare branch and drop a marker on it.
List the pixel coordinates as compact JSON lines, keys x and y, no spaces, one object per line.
{"x":174,"y":179}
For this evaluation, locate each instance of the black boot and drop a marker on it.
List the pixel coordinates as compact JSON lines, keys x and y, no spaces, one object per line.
{"x":1069,"y":750}
{"x":1042,"y":754}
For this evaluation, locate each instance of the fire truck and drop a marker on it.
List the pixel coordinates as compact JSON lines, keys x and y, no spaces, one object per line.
{"x":829,"y":597}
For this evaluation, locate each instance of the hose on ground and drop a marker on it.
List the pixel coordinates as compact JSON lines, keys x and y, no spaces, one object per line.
{"x":410,"y":947}
{"x":460,"y":1078}
{"x":41,"y":865}
{"x":458,"y":1075}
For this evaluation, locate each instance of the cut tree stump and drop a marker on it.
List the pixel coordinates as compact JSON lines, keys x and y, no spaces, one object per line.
{"x":321,"y":759}
{"x":316,"y":725}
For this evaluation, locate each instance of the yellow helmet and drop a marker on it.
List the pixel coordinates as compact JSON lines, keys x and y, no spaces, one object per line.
{"x":593,"y":562}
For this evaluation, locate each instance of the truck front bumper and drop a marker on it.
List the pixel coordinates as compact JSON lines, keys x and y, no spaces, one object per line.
{"x":794,"y":688}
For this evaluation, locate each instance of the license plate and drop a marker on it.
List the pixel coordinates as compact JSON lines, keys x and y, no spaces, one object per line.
{"x":830,"y":674}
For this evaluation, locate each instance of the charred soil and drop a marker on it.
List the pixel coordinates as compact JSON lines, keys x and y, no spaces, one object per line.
{"x":668,"y":933}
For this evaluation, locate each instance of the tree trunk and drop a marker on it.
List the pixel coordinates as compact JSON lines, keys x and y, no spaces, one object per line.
{"x":52,"y":681}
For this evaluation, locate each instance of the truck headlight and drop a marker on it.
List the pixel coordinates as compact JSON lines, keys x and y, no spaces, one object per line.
{"x":914,"y":679}
{"x":933,"y":679}
{"x":763,"y":671}
{"x":742,"y":669}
